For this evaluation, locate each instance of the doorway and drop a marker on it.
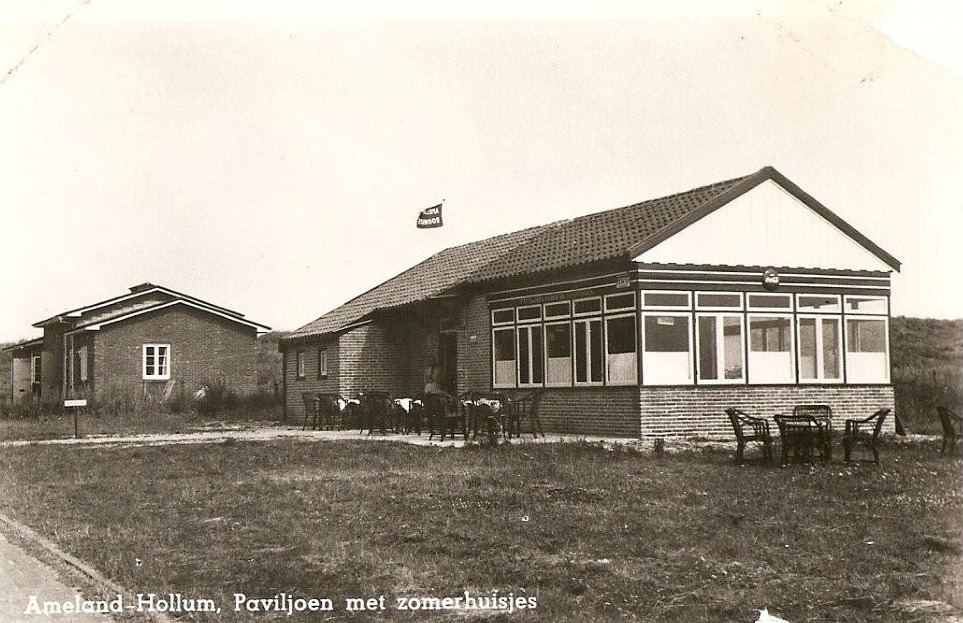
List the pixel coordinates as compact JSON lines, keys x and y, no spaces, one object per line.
{"x":448,"y":361}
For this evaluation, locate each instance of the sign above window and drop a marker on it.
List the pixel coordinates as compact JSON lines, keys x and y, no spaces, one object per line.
{"x":770,"y":279}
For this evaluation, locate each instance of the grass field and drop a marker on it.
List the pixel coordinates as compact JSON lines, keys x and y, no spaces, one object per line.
{"x":593,"y":534}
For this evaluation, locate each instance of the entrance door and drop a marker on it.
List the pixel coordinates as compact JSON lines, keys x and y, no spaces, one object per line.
{"x":448,"y":360}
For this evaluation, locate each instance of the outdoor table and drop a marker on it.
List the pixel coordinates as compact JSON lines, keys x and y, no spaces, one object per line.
{"x":802,"y":436}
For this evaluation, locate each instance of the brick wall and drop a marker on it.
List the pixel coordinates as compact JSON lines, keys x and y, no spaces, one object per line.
{"x":52,"y":363}
{"x":204,"y":348}
{"x":609,"y":411}
{"x":311,"y":381}
{"x":680,"y":411}
{"x":475,"y":356}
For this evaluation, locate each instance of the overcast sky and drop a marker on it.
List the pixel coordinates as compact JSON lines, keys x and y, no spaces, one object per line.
{"x":273,"y":160}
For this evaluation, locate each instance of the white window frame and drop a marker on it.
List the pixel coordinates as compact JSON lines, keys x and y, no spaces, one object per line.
{"x":299,"y":363}
{"x":646,"y":379}
{"x":619,"y":310}
{"x":503,"y":322}
{"x":518,"y":316}
{"x":594,"y":312}
{"x":820,"y":379}
{"x":36,"y":370}
{"x":792,"y":347}
{"x":720,"y":347}
{"x":859,"y":312}
{"x":567,"y":314}
{"x":514,"y":375}
{"x":605,"y":350}
{"x":836,"y":311}
{"x":740,"y":307}
{"x":159,"y":374}
{"x":686,"y":293}
{"x":587,"y":320}
{"x":776,"y":310}
{"x":529,"y":364}
{"x":322,"y":363}
{"x":570,"y":358}
{"x":846,"y":351}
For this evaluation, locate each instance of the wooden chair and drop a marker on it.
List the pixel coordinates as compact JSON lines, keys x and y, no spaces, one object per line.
{"x":311,"y":401}
{"x":524,"y":409}
{"x":330,"y":414}
{"x":824,"y":415}
{"x":376,"y":408}
{"x":444,"y":417}
{"x":747,"y":429}
{"x":866,"y":431}
{"x":952,"y":428}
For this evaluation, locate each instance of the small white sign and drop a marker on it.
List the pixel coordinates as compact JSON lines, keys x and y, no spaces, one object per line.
{"x":77,"y":402}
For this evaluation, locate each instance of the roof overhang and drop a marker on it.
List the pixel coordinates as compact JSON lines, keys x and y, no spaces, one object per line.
{"x":154,"y":308}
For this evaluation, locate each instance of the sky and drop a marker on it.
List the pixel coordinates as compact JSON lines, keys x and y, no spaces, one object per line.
{"x":273,"y":157}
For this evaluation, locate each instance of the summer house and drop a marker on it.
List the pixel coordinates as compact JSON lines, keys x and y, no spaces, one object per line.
{"x":646,"y":320}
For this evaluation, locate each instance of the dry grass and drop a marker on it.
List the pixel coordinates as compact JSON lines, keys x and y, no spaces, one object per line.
{"x":593,"y":533}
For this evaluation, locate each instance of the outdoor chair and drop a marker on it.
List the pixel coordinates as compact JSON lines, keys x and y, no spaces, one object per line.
{"x":311,"y":401}
{"x":824,"y":415}
{"x":748,"y":428}
{"x":330,"y":413}
{"x":802,"y":437}
{"x":522,"y":411}
{"x":444,"y":417}
{"x":866,"y":431}
{"x":471,"y":403}
{"x":952,"y":428}
{"x":376,"y":408}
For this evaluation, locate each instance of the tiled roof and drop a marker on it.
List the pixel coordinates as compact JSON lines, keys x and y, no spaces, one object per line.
{"x":599,"y":236}
{"x":562,"y":244}
{"x":435,"y":275}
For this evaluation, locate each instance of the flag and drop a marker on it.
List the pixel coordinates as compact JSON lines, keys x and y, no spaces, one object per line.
{"x":430,"y":217}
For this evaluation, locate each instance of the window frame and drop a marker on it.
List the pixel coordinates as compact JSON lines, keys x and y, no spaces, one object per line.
{"x":594,"y":312}
{"x":36,"y":369}
{"x":619,"y":310}
{"x":157,"y":376}
{"x":858,"y":312}
{"x":690,"y":335}
{"x":322,"y":362}
{"x":794,"y":364}
{"x":740,"y":307}
{"x":687,"y":293}
{"x":605,"y":349}
{"x":720,"y":317}
{"x":529,"y":329}
{"x":299,"y":364}
{"x":514,"y":377}
{"x":587,"y":320}
{"x":886,"y":353}
{"x":836,"y":311}
{"x":818,"y":346}
{"x":777,"y":310}
{"x":502,"y":323}
{"x":570,"y":357}
{"x":547,"y":318}
{"x":82,"y":363}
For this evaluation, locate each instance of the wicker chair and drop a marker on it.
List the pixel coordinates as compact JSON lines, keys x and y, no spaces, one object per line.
{"x":952,"y":429}
{"x":748,"y":428}
{"x":866,"y":431}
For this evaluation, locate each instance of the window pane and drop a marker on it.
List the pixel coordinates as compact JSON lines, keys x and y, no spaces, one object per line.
{"x":866,"y":304}
{"x":557,"y":310}
{"x":501,"y":316}
{"x":807,"y":348}
{"x":666,"y":334}
{"x":538,"y":362}
{"x":666,"y":359}
{"x":523,"y":355}
{"x":620,"y":301}
{"x":707,"y":299}
{"x":866,"y":351}
{"x":595,"y":343}
{"x":770,"y":301}
{"x":504,"y":347}
{"x":529,"y":313}
{"x":708,"y":348}
{"x":621,"y":343}
{"x":770,"y":350}
{"x":830,"y":348}
{"x":665,"y":299}
{"x":588,"y":306}
{"x":732,"y":343}
{"x":559,"y":345}
{"x":817,"y":303}
{"x":581,"y":367}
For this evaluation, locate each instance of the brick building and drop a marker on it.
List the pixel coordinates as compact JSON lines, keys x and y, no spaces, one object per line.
{"x":646,"y":320}
{"x":150,"y":342}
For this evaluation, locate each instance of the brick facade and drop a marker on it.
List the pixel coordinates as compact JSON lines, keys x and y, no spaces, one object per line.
{"x":680,"y":411}
{"x":608,"y":411}
{"x":204,"y":348}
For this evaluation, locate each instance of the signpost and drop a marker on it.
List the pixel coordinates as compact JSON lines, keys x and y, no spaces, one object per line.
{"x":75,"y":404}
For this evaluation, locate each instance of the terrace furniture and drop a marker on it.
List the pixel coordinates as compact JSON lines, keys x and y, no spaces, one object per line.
{"x":952,"y":428}
{"x":311,"y":401}
{"x":866,"y":431}
{"x":444,"y":417}
{"x":747,"y":429}
{"x":409,"y":414}
{"x":522,"y":410}
{"x":330,"y":411}
{"x":803,"y":437}
{"x":377,"y":410}
{"x":471,"y":402}
{"x":824,"y":415}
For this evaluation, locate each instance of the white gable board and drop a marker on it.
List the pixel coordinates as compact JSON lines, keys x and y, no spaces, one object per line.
{"x":765,"y":226}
